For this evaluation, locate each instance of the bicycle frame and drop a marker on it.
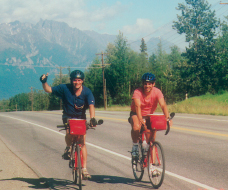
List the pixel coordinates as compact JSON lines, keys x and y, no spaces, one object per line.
{"x":76,"y":141}
{"x":145,"y":160}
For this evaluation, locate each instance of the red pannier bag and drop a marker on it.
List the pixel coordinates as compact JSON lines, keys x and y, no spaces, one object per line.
{"x":158,"y":122}
{"x":77,"y":126}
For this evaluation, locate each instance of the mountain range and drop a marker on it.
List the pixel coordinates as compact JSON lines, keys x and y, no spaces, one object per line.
{"x":27,"y":51}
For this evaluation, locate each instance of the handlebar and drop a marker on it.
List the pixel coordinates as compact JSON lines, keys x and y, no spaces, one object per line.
{"x":168,"y":126}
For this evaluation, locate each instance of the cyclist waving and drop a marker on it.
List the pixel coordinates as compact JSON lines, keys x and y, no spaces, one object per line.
{"x":144,"y":102}
{"x":76,"y":99}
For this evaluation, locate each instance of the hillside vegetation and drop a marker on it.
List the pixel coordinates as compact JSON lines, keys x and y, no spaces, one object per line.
{"x":206,"y":104}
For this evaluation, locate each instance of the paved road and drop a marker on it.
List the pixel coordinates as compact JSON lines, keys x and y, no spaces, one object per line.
{"x":195,"y":149}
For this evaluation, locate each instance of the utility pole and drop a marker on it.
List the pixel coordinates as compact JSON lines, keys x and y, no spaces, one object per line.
{"x":60,"y":82}
{"x":31,"y":97}
{"x":104,"y":80}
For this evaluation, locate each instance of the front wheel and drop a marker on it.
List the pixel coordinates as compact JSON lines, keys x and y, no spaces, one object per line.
{"x":137,"y":165}
{"x":79,"y":167}
{"x":73,"y":163}
{"x":156,"y":164}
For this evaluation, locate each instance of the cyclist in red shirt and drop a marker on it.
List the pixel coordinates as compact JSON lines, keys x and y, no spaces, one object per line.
{"x":144,"y":102}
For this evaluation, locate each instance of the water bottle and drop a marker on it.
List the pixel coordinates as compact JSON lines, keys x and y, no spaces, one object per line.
{"x":144,"y":146}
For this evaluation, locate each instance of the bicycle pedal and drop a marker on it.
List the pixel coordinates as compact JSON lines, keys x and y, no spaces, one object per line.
{"x":71,"y":164}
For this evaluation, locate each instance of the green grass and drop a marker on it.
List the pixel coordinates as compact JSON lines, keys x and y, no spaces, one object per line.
{"x":207,"y":104}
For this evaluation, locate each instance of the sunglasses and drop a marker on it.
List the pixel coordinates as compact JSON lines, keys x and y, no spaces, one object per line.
{"x":77,"y":108}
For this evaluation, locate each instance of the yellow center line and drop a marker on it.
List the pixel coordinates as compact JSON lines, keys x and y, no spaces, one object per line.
{"x":200,"y":131}
{"x":113,"y":118}
{"x":179,"y":128}
{"x":176,"y":128}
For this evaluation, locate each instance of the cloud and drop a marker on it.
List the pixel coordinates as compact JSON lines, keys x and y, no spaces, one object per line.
{"x":106,"y":12}
{"x":76,"y":13}
{"x":32,"y":11}
{"x":142,"y":26}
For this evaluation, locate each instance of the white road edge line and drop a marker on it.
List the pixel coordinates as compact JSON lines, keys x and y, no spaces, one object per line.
{"x":122,"y":156}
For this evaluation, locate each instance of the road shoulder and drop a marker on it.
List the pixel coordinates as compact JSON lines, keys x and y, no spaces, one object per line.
{"x":14,"y":173}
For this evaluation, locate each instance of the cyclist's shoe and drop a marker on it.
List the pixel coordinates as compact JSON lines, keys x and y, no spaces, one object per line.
{"x":153,"y":171}
{"x":85,"y":174}
{"x":66,"y":154}
{"x":135,"y":152}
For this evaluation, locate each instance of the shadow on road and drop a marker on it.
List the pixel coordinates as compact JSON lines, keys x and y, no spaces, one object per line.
{"x":62,"y":184}
{"x":46,"y":183}
{"x":120,"y":180}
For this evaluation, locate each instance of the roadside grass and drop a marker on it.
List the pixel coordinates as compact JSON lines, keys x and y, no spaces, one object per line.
{"x":115,"y":108}
{"x":207,"y":104}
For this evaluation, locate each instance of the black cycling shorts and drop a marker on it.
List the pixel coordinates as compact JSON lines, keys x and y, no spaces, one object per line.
{"x":147,"y":119}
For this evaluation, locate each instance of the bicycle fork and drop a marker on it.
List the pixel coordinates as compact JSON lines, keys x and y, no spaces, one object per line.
{"x":153,"y":153}
{"x":76,"y":158}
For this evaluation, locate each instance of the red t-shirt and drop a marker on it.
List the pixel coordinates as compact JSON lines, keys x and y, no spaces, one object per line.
{"x":149,"y":104}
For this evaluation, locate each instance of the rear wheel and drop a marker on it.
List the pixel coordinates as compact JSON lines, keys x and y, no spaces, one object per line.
{"x":156,"y":165}
{"x":79,"y":167}
{"x":137,"y":165}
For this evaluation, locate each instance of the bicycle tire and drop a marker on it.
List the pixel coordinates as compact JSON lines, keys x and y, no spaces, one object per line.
{"x":79,"y":167}
{"x":137,"y":165}
{"x":73,"y":163}
{"x":157,"y":173}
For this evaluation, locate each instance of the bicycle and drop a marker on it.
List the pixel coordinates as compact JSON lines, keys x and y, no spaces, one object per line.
{"x":151,"y":156}
{"x":77,"y":128}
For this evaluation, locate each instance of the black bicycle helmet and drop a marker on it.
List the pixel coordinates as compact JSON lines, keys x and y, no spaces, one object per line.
{"x":148,"y":77}
{"x":77,"y":74}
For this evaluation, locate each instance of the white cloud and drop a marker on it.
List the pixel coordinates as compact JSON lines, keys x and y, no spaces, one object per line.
{"x":106,"y":12}
{"x":74,"y":12}
{"x":141,"y":26}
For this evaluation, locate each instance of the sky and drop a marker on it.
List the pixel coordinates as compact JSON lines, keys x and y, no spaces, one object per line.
{"x":135,"y":19}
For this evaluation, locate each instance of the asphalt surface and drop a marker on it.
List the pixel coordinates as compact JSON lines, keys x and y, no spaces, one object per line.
{"x":15,"y":174}
{"x":195,"y":151}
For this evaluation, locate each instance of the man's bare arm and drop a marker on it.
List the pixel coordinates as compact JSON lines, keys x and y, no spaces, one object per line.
{"x":164,"y":108}
{"x":45,"y":85}
{"x":91,"y":111}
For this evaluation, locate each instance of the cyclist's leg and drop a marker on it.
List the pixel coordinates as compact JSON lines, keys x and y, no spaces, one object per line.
{"x":68,"y":140}
{"x":66,"y":154}
{"x":85,"y":173}
{"x":137,"y":165}
{"x":135,"y":132}
{"x":84,"y":150}
{"x":151,"y":136}
{"x":135,"y":129}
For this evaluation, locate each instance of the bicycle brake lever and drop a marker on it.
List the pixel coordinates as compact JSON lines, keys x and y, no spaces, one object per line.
{"x":168,"y":128}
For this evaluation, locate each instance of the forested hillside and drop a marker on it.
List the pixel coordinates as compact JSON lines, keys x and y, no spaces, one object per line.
{"x":201,"y":69}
